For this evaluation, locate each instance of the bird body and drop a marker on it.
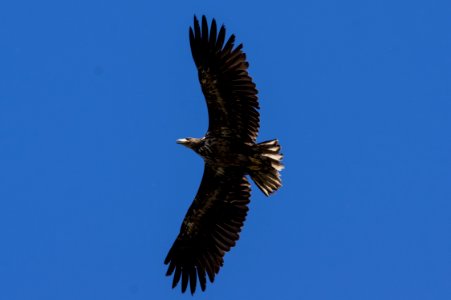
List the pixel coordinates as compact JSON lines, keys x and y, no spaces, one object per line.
{"x":230,"y":151}
{"x":221,"y":152}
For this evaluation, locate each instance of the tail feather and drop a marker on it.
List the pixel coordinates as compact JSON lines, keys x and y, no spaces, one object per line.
{"x":265,"y":171}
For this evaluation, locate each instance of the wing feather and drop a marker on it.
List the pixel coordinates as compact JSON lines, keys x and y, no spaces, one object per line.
{"x":202,"y":276}
{"x":230,"y":94}
{"x":211,"y":227}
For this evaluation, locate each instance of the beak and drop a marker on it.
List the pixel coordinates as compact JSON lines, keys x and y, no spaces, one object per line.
{"x":182,"y":141}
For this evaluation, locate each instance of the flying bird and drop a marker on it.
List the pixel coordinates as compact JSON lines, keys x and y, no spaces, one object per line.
{"x":230,"y":151}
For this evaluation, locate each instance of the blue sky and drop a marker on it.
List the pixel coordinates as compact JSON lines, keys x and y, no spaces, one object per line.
{"x":93,"y":188}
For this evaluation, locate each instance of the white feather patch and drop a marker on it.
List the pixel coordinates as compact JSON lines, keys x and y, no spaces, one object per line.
{"x":275,"y":156}
{"x":278,"y":167}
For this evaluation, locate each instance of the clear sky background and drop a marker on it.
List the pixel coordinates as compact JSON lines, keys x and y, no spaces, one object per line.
{"x":93,"y":188}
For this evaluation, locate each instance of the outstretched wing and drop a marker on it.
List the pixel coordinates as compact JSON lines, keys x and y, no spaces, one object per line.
{"x":210,"y":228}
{"x":228,"y":89}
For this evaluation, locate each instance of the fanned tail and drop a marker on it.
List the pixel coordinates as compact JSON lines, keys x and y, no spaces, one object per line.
{"x":267,"y":166}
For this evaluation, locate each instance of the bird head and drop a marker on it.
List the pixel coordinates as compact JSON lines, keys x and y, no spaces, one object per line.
{"x":192,"y":143}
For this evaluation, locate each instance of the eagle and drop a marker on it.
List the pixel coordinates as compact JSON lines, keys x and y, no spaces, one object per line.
{"x":230,"y":152}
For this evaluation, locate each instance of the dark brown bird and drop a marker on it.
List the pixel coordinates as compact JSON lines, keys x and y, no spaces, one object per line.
{"x":213,"y":222}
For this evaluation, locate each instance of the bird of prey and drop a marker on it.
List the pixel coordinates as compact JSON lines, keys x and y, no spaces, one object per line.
{"x":230,"y":151}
